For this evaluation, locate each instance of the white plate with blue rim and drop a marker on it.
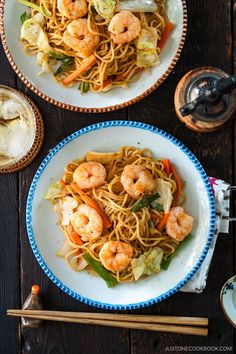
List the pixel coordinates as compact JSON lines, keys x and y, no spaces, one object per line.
{"x":46,"y":238}
{"x":46,"y":87}
{"x":228,"y":300}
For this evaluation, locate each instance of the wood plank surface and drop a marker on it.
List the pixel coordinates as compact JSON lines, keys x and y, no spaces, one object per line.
{"x":209,"y":42}
{"x":9,"y":249}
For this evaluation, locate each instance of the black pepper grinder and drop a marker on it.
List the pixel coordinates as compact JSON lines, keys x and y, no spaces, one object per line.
{"x":205,"y":99}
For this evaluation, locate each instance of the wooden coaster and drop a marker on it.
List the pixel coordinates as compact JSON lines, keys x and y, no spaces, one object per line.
{"x":38,"y":140}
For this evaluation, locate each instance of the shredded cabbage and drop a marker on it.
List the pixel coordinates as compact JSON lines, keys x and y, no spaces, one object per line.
{"x":148,"y":263}
{"x":137,"y":5}
{"x":32,"y":32}
{"x":105,"y":8}
{"x":147,"y":48}
{"x":54,"y":190}
{"x":64,"y":250}
{"x":164,"y":190}
{"x":42,"y":60}
{"x":75,"y":261}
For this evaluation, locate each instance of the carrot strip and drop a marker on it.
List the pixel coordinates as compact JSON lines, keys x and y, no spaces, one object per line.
{"x":165,"y":35}
{"x":166,"y":164}
{"x":179,"y":188}
{"x":63,"y":183}
{"x":87,"y":64}
{"x":90,"y":202}
{"x":74,"y":236}
{"x":163,"y":221}
{"x":105,"y":83}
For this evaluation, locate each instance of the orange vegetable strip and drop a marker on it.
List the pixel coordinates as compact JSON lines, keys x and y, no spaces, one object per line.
{"x":179,"y":188}
{"x":74,"y":235}
{"x":90,"y":202}
{"x":87,"y":64}
{"x":166,"y":164}
{"x":105,"y":83}
{"x":166,"y":33}
{"x":163,"y":221}
{"x":63,"y":183}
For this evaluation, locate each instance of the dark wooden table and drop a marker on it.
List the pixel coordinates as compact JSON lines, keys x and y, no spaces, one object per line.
{"x":209,"y":42}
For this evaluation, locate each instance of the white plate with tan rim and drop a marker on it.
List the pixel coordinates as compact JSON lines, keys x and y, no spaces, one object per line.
{"x":70,"y":98}
{"x":46,"y":238}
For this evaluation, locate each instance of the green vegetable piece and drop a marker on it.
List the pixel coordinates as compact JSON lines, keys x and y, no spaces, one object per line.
{"x":60,"y":56}
{"x":96,"y":266}
{"x":43,"y":11}
{"x":65,"y":64}
{"x":146,"y":201}
{"x":156,"y":206}
{"x":84,"y":87}
{"x":166,"y":262}
{"x":24,"y":17}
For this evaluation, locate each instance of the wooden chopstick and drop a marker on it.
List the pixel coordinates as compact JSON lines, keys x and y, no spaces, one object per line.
{"x":190,"y":321}
{"x":120,"y":320}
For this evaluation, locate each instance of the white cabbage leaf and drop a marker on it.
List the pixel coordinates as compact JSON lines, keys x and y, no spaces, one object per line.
{"x":147,"y":48}
{"x":148,"y":263}
{"x":137,"y":5}
{"x":164,"y":191}
{"x":42,"y":60}
{"x":76,"y":261}
{"x":64,"y":250}
{"x":54,"y":190}
{"x":32,"y":31}
{"x":105,"y":8}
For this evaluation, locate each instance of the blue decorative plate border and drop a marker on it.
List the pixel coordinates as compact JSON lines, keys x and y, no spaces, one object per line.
{"x":86,"y":130}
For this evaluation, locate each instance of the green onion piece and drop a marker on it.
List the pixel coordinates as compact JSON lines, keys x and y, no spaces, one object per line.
{"x":166,"y":262}
{"x":60,"y":56}
{"x":24,"y":17}
{"x":65,"y":64}
{"x":156,"y":206}
{"x":96,"y":266}
{"x":84,"y":87}
{"x":43,"y":11}
{"x":146,"y":201}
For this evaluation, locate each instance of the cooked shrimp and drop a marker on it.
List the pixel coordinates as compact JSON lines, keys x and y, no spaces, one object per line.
{"x":124,"y":27}
{"x":116,"y":255}
{"x":89,"y":175}
{"x":136,"y":180}
{"x":78,"y":37}
{"x":72,"y":9}
{"x":179,"y":224}
{"x":87,"y":222}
